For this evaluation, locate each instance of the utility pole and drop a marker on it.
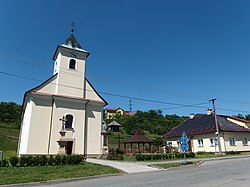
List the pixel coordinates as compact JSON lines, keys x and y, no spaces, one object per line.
{"x":216,"y":124}
{"x":130,"y":105}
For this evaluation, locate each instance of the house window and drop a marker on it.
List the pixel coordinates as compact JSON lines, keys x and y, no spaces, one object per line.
{"x":245,"y":141}
{"x":200,"y":143}
{"x":72,"y":64}
{"x":232,"y":141}
{"x":213,"y":142}
{"x":69,"y":121}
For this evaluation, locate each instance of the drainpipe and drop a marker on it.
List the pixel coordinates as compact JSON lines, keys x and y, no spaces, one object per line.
{"x":51,"y":121}
{"x":85,"y":138}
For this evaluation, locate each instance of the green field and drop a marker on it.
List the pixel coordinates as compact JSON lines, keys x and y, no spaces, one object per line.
{"x":8,"y":140}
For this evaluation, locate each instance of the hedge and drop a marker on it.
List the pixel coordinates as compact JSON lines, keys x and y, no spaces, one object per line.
{"x":41,"y":160}
{"x":146,"y":157}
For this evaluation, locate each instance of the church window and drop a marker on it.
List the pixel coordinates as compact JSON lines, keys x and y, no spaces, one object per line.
{"x":69,"y":121}
{"x":72,"y":64}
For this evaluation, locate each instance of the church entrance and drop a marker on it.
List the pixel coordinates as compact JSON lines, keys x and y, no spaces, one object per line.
{"x":68,"y":148}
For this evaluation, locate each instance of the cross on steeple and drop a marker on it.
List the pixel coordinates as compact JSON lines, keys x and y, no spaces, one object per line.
{"x":72,"y":27}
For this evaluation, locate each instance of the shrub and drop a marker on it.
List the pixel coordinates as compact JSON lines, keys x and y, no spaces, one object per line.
{"x":4,"y":163}
{"x":204,"y":153}
{"x":233,"y":153}
{"x":139,"y":157}
{"x":30,"y":160}
{"x":36,"y":160}
{"x":115,"y":157}
{"x":74,"y":159}
{"x":190,"y":155}
{"x":147,"y":157}
{"x":64,"y":159}
{"x":177,"y":155}
{"x":157,"y":157}
{"x":58,"y":159}
{"x":43,"y":160}
{"x":23,"y":161}
{"x":14,"y":161}
{"x":51,"y":160}
{"x":119,"y":151}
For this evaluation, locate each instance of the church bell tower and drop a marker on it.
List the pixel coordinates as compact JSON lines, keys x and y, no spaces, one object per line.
{"x":69,"y":65}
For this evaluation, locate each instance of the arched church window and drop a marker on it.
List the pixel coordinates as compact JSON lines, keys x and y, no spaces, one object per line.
{"x":72,"y":64}
{"x":69,"y":121}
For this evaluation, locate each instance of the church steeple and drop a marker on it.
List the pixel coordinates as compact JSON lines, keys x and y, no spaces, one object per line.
{"x":69,"y":64}
{"x":72,"y":42}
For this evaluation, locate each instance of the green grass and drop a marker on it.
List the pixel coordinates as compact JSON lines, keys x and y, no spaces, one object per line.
{"x":16,"y":175}
{"x":8,"y":140}
{"x":175,"y":164}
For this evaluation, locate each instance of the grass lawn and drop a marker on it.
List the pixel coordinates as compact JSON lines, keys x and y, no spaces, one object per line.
{"x":15,"y":175}
{"x":8,"y":140}
{"x":175,"y":164}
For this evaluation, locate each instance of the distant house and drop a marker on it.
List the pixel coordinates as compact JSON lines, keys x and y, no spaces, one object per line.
{"x":201,"y":131}
{"x":110,"y":113}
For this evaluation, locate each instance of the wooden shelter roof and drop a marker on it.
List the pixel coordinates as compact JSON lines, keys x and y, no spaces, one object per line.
{"x":138,"y":137}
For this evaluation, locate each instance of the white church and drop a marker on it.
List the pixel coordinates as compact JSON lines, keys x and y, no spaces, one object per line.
{"x":64,"y":114}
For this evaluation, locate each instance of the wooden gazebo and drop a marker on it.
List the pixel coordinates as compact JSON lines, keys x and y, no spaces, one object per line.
{"x":138,"y":138}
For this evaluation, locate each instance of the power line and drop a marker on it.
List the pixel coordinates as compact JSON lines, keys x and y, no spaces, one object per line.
{"x":105,"y":93}
{"x":80,"y":73}
{"x":178,"y":105}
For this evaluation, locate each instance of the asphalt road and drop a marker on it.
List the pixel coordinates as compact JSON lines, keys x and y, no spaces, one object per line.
{"x":223,"y":173}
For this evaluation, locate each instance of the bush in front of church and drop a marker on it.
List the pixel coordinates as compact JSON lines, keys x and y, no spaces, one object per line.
{"x":42,"y":160}
{"x":115,"y":154}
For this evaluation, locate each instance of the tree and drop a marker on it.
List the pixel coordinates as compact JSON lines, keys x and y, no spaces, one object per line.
{"x":247,"y":117}
{"x":159,"y":141}
{"x":10,"y":113}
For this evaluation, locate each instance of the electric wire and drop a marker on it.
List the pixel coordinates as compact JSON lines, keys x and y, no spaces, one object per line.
{"x":80,"y":73}
{"x":178,"y":105}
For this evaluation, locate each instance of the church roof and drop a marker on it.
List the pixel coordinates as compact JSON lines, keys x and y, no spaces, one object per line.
{"x":72,"y":43}
{"x":203,"y":124}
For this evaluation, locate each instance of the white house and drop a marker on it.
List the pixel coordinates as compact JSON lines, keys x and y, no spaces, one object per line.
{"x":201,"y":130}
{"x":63,"y":115}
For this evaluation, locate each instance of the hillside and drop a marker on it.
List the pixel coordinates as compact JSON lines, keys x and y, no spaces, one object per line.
{"x":9,"y":135}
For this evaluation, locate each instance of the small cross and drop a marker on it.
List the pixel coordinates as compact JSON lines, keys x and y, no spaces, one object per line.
{"x":63,"y":122}
{"x":73,"y":27}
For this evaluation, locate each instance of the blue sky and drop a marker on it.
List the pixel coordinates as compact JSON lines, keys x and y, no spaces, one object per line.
{"x":177,"y":53}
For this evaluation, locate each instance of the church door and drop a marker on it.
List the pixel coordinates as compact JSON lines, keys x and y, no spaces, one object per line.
{"x":68,"y":148}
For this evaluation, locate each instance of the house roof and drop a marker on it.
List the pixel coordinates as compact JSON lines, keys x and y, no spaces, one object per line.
{"x":114,"y":123}
{"x":203,"y":124}
{"x":138,"y":137}
{"x":238,"y":119}
{"x":113,"y":109}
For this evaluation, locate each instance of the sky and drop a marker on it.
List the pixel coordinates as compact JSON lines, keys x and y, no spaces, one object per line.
{"x":173,"y":55}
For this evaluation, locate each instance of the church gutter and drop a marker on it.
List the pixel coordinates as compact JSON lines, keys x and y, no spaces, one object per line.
{"x":51,"y":118}
{"x":85,"y":132}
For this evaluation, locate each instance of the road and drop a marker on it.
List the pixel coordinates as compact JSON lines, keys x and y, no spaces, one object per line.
{"x":223,"y":173}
